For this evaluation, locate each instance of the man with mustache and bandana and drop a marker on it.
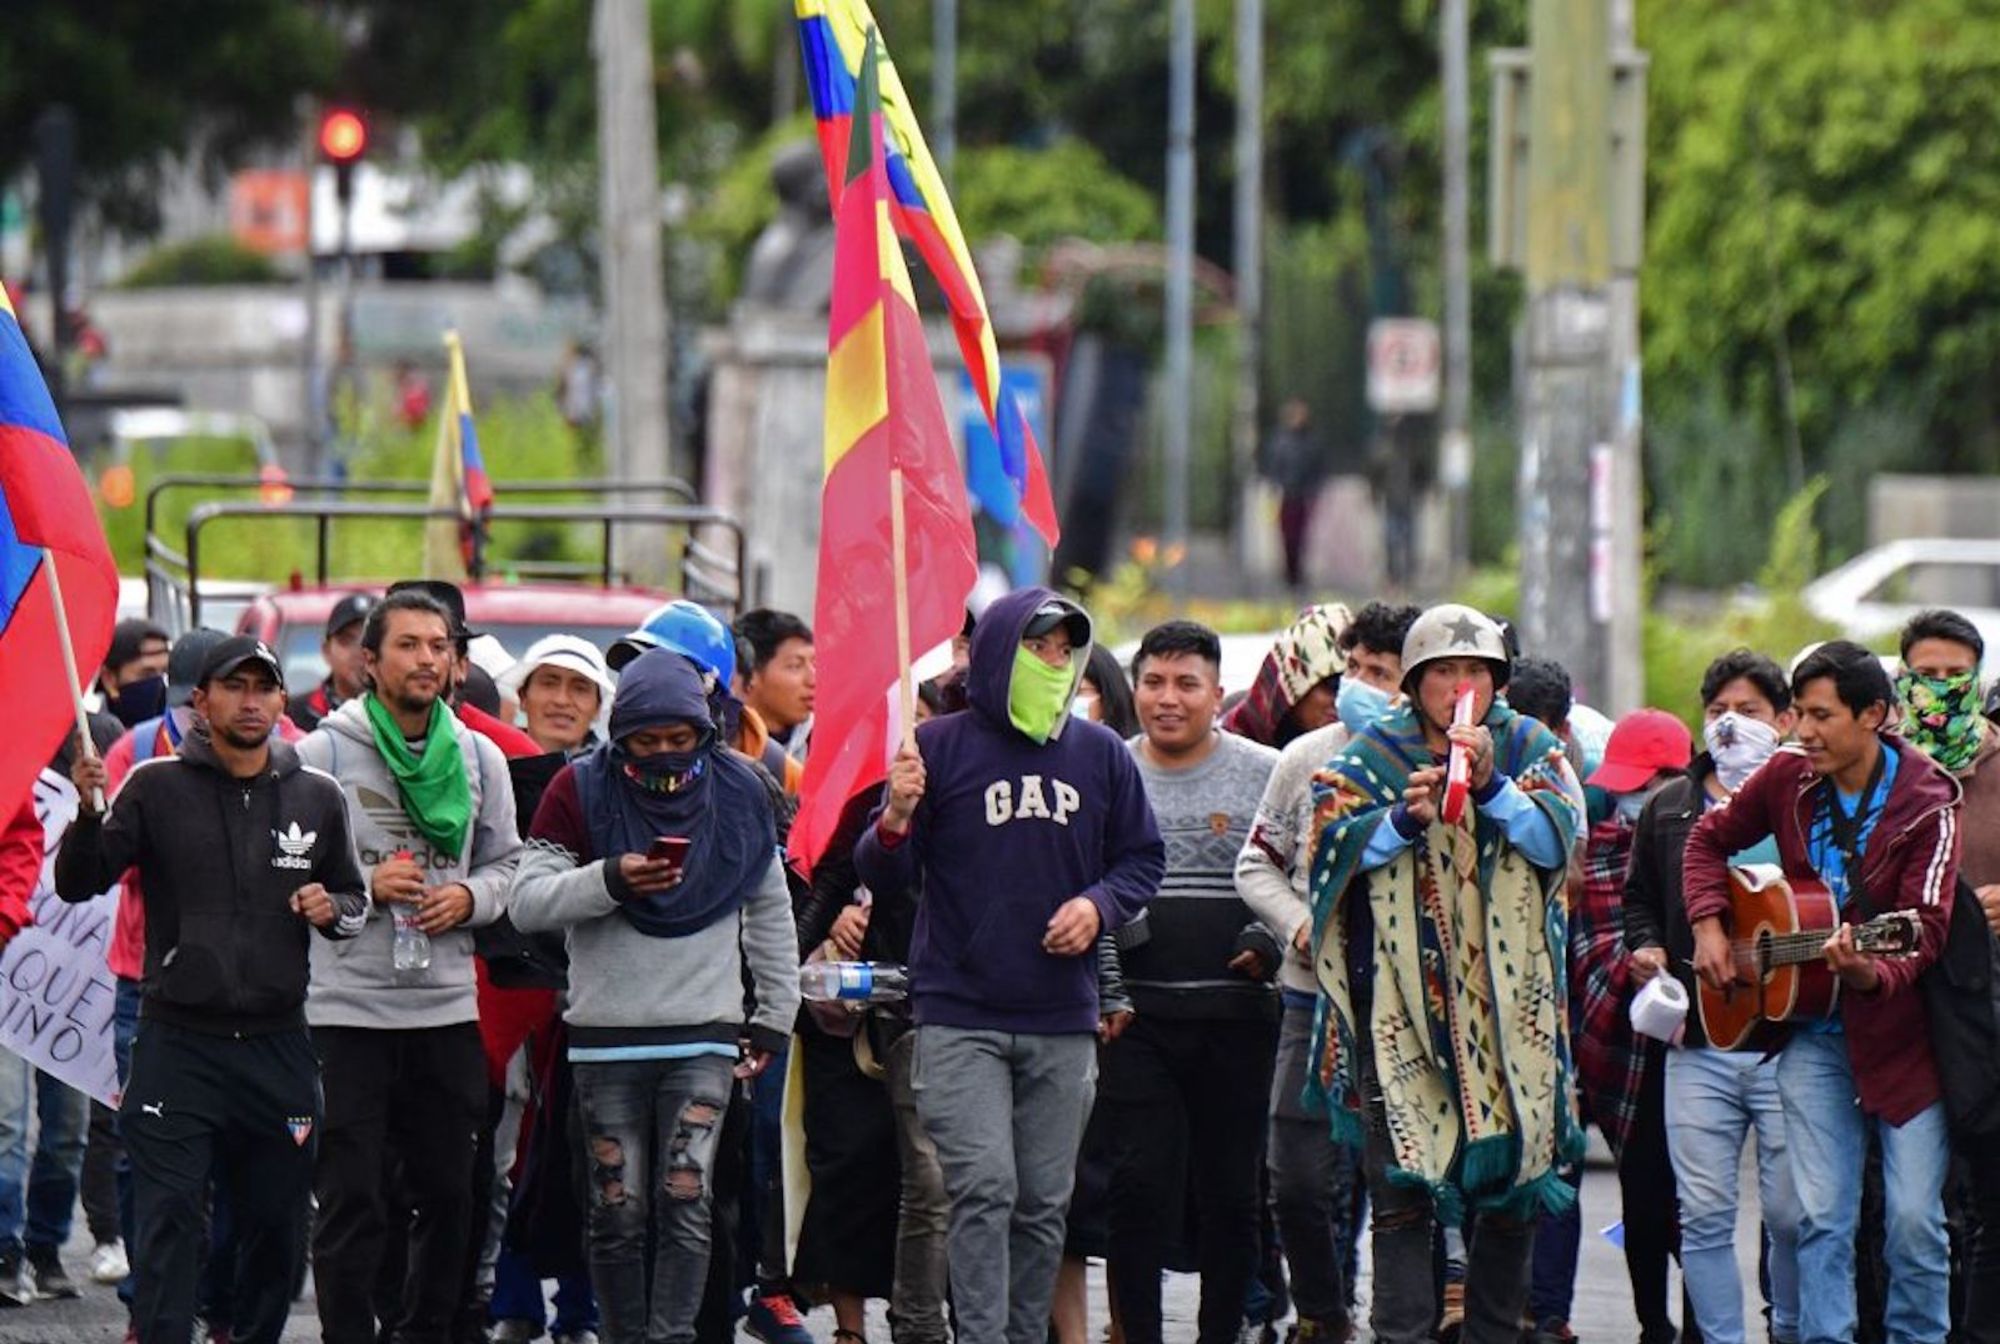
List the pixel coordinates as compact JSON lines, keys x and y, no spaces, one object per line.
{"x":1939,"y":691}
{"x":1030,"y":833}
{"x":1715,"y":1097}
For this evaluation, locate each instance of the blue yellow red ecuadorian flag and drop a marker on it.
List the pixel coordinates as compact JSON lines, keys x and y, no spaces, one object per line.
{"x":46,"y":519}
{"x":883,"y":416}
{"x":473,"y":481}
{"x":832,"y":35}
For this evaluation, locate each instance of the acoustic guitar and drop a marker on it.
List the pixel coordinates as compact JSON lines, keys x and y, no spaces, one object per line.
{"x":1779,"y":927}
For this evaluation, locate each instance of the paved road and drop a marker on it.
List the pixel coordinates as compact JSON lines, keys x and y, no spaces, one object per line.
{"x":1603,"y":1312}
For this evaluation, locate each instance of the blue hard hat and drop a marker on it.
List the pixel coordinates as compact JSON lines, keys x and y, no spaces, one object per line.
{"x":689,"y":629}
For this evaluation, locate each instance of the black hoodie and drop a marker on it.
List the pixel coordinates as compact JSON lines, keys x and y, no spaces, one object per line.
{"x":218,"y":859}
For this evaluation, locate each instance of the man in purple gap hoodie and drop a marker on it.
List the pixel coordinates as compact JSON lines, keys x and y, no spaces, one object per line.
{"x":1029,"y":834}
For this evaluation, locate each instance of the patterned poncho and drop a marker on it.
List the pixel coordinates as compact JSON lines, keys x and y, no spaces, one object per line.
{"x":1468,"y":1013}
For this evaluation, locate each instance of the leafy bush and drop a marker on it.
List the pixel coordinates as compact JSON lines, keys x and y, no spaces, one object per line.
{"x":215,"y":260}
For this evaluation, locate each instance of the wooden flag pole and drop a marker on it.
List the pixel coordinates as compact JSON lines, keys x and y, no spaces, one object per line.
{"x":900,"y":566}
{"x":84,"y":744}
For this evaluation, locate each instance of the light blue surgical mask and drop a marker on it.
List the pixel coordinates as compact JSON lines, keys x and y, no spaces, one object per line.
{"x":1630,"y":805}
{"x":1360,"y":704}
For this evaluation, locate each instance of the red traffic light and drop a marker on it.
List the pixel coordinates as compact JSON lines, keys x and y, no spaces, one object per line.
{"x":343,"y":135}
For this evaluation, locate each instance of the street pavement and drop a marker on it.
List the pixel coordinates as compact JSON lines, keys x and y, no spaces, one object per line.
{"x":1603,"y":1312}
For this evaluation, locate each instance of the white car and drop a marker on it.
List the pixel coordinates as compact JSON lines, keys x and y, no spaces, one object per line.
{"x":1878,"y":591}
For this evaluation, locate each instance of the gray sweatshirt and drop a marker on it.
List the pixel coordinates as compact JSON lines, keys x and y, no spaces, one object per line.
{"x":355,"y":983}
{"x":630,"y":990}
{"x":1273,"y":871}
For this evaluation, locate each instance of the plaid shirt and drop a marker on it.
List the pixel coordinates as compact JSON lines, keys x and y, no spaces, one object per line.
{"x":1611,"y":1060}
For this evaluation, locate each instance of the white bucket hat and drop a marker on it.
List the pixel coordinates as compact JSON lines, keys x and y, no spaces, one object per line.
{"x":572,"y":653}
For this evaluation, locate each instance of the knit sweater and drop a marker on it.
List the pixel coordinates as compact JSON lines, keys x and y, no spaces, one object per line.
{"x":1204,"y":812}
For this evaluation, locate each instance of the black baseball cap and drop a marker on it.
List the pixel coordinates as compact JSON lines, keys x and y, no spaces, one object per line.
{"x":232,"y":653}
{"x":1056,"y":612}
{"x":351,"y":608}
{"x":186,"y":660}
{"x":129,"y":639}
{"x":448,"y":595}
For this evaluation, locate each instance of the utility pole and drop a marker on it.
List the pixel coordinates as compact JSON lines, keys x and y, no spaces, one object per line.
{"x":1179,"y":401}
{"x":1455,"y":446}
{"x":1625,"y":689}
{"x":944,"y":84}
{"x":1566,"y":593}
{"x":635,"y":305}
{"x":1253,"y":531}
{"x":310,"y":385}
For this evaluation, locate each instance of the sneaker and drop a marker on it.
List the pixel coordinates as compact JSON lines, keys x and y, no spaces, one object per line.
{"x":51,"y":1279}
{"x":16,"y":1289}
{"x":514,"y":1330}
{"x":108,"y":1263}
{"x":575,"y":1337}
{"x":774,"y":1318}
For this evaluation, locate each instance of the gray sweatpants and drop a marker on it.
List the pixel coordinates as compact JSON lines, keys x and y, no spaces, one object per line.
{"x":1007,"y":1113}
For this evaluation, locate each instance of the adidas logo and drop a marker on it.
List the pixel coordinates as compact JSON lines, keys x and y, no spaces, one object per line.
{"x":293,"y":847}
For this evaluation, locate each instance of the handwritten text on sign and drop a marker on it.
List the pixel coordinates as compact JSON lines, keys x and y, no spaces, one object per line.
{"x":57,"y":997}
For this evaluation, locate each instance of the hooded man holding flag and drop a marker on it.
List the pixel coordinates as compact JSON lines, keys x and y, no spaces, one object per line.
{"x":1029,"y":831}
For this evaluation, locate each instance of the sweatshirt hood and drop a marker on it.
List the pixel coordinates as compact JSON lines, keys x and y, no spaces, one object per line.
{"x":990,"y":675}
{"x":197,"y":749}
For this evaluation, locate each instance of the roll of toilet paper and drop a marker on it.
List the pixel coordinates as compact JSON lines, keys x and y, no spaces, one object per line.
{"x":1660,"y":1010}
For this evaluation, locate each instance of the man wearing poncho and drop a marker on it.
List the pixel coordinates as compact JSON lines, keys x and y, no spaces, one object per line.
{"x":1440,"y":1046}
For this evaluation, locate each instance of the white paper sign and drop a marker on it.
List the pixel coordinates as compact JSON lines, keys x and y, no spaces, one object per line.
{"x":57,"y":997}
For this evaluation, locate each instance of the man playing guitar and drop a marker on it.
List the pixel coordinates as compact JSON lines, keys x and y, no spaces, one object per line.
{"x":1877,"y":822}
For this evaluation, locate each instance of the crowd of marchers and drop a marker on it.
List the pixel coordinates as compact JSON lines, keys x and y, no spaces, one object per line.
{"x":475,"y":999}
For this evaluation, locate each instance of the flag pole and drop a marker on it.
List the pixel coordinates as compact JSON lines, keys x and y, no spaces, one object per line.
{"x":84,"y":744}
{"x":900,"y":566}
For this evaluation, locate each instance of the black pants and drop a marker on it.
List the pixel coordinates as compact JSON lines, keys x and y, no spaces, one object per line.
{"x":1212,"y":1080}
{"x":403,"y":1113}
{"x":1980,"y":1261}
{"x":100,"y":1174}
{"x":246,"y":1113}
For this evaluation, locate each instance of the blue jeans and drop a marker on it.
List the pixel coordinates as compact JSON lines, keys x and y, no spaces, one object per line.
{"x":1828,"y":1137}
{"x":650,"y":1129}
{"x":1714,"y":1097}
{"x":50,"y":1182}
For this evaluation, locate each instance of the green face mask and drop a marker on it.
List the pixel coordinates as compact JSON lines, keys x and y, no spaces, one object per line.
{"x":1038,"y":695}
{"x":1942,"y":718}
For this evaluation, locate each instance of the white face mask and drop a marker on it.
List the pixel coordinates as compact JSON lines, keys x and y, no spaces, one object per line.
{"x":1739,"y":745}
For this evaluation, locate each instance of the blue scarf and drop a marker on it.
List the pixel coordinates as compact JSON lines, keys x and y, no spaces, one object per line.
{"x":706,"y":795}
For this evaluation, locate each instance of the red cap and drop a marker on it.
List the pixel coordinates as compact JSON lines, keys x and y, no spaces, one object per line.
{"x":1642,"y":744}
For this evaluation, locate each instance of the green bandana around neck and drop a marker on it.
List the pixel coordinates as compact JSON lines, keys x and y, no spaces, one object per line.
{"x":1942,"y":717}
{"x":1038,"y":695}
{"x":437,"y":796}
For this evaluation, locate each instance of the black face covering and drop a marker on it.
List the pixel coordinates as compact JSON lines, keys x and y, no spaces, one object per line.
{"x":140,"y":700}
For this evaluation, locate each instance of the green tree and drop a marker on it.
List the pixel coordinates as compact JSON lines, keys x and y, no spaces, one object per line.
{"x":147,"y":79}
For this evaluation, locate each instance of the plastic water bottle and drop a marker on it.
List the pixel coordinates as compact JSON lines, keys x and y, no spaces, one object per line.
{"x":413,"y":945}
{"x":854,"y":981}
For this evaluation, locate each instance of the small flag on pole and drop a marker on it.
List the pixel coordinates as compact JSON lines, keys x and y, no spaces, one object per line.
{"x":453,"y":550}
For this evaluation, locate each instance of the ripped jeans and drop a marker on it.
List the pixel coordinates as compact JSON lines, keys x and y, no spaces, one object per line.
{"x":649,"y":1133}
